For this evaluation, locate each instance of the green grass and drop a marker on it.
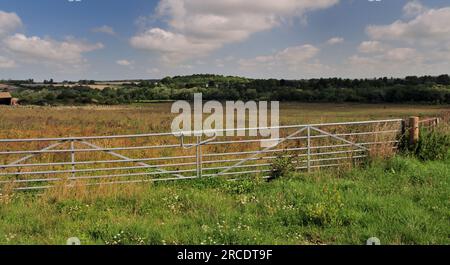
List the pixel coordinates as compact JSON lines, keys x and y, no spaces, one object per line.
{"x":400,"y":201}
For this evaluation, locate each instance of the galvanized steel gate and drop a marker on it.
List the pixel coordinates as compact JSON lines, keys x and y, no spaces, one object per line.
{"x":28,"y":164}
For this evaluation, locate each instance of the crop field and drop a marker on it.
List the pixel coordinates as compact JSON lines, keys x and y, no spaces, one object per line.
{"x":399,"y":199}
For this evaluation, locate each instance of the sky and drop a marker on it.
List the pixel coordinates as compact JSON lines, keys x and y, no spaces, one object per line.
{"x":291,"y":39}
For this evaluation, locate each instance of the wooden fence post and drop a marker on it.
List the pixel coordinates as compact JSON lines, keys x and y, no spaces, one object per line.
{"x":413,"y":130}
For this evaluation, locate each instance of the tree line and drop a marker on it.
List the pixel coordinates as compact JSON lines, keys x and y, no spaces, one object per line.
{"x":412,"y":89}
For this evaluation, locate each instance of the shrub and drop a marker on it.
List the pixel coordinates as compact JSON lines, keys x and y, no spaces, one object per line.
{"x":432,"y":145}
{"x":282,"y":166}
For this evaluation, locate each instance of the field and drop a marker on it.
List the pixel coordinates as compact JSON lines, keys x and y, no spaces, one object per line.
{"x":32,"y":121}
{"x":401,"y":200}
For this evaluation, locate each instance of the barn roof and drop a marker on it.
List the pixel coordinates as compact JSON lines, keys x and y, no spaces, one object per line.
{"x":5,"y":95}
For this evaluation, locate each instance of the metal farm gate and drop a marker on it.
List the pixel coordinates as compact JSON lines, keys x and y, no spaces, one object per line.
{"x":29,"y":164}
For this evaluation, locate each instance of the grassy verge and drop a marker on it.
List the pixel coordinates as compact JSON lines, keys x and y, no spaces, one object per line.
{"x":400,"y":201}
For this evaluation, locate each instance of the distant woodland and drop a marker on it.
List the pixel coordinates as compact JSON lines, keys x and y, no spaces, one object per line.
{"x":412,"y":89}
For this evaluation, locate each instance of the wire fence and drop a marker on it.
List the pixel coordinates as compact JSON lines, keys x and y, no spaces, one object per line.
{"x":32,"y":164}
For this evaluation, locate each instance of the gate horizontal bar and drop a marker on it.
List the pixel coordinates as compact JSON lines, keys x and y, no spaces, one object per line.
{"x":193,"y":132}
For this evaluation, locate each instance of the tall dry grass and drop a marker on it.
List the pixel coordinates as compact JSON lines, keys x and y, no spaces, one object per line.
{"x":37,"y":122}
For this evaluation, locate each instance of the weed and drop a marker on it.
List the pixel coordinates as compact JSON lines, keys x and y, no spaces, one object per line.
{"x":432,"y":145}
{"x":282,"y":166}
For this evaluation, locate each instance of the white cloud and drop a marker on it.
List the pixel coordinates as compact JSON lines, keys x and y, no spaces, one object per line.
{"x":104,"y":29}
{"x":289,"y":56}
{"x":297,"y":54}
{"x":174,"y":47}
{"x":35,"y":48}
{"x":390,"y":56}
{"x":7,"y":63}
{"x":153,"y":70}
{"x":222,"y":62}
{"x":429,"y":27}
{"x":290,"y":62}
{"x":66,"y":56}
{"x":394,"y":62}
{"x":197,"y":27}
{"x":414,"y":8}
{"x":370,"y":47}
{"x":397,"y":61}
{"x":124,"y":62}
{"x":335,"y":40}
{"x":415,"y":46}
{"x":9,"y":22}
{"x":401,"y":54}
{"x":232,"y":19}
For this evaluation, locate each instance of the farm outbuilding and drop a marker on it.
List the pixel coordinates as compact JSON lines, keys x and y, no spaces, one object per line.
{"x":5,"y":98}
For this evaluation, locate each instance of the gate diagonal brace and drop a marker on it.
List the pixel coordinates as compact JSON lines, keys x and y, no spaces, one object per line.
{"x":33,"y":155}
{"x":130,"y":159}
{"x":262,"y":151}
{"x":363,"y":148}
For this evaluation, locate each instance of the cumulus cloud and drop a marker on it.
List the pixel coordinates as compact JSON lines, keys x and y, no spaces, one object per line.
{"x":370,"y":47}
{"x":398,"y":61}
{"x":201,"y":26}
{"x":153,"y":70}
{"x":66,"y":55}
{"x":231,"y":19}
{"x":414,"y":46}
{"x":124,"y":62}
{"x":391,"y":57}
{"x":429,"y":27}
{"x":222,"y":62}
{"x":174,"y":47}
{"x":9,"y":22}
{"x":296,"y":55}
{"x":290,"y":62}
{"x":395,"y":62}
{"x":69,"y":51}
{"x":289,"y":56}
{"x":414,"y":8}
{"x":104,"y":29}
{"x":401,"y":54}
{"x":7,"y":63}
{"x":335,"y":40}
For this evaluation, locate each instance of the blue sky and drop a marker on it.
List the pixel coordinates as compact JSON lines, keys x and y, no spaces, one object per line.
{"x":112,"y":39}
